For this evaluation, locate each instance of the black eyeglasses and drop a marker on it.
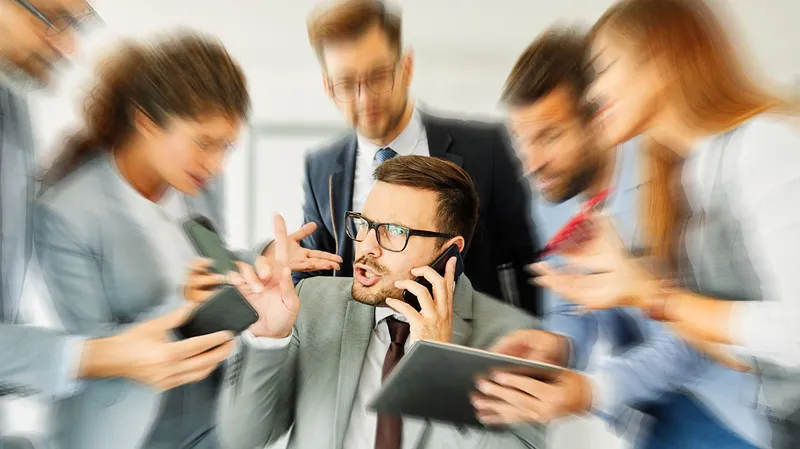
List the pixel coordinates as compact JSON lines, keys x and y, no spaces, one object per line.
{"x":391,"y":237}
{"x":80,"y":22}
{"x":378,"y":82}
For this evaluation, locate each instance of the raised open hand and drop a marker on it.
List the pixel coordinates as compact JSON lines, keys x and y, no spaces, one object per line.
{"x":303,"y":259}
{"x":270,"y":290}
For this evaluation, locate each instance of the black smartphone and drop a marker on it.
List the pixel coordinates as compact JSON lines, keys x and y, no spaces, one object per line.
{"x":440,"y":265}
{"x":209,"y":243}
{"x":225,"y":310}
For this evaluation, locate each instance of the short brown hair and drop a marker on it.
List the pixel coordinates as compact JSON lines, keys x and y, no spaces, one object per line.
{"x":348,"y":20}
{"x":457,"y":207}
{"x":557,"y":58}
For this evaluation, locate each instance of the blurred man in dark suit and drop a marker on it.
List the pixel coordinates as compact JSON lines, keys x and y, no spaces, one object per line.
{"x":367,"y":75}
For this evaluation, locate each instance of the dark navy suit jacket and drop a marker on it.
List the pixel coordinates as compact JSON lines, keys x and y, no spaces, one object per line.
{"x":503,"y":237}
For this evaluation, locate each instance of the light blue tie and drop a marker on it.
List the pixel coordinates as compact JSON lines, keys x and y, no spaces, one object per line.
{"x":384,"y":154}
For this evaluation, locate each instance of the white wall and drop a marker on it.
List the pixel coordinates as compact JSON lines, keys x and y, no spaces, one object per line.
{"x":463,"y":48}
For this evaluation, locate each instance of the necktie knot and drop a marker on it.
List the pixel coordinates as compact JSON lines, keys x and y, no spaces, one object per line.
{"x":398,"y":331}
{"x":384,"y":154}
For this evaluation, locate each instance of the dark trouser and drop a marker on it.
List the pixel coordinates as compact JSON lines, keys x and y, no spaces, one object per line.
{"x":681,"y":422}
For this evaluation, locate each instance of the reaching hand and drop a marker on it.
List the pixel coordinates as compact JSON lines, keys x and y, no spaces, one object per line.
{"x":270,"y":289}
{"x":435,"y":320}
{"x":508,"y":399}
{"x":147,"y":354}
{"x":618,"y":279}
{"x":534,"y":344}
{"x":303,"y":259}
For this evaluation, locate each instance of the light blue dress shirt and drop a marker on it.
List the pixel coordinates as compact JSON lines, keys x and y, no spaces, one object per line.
{"x":661,"y":362}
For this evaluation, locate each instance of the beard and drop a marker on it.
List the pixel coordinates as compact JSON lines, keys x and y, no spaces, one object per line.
{"x":376,"y":295}
{"x":581,"y":179}
{"x":380,"y":132}
{"x":18,"y":80}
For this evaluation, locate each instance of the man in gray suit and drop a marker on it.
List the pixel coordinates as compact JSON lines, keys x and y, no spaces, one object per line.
{"x":35,"y":36}
{"x":318,"y":353}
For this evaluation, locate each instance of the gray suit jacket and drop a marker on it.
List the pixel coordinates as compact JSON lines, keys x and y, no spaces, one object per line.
{"x":103,"y":277}
{"x":30,"y":357}
{"x":311,"y":383}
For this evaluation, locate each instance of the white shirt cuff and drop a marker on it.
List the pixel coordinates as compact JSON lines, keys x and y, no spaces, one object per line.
{"x":72,"y":353}
{"x":264,"y":342}
{"x":602,"y":391}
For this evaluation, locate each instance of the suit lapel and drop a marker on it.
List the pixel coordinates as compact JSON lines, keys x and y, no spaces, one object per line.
{"x":340,"y":186}
{"x":359,"y":322}
{"x":440,"y":141}
{"x":462,"y":311}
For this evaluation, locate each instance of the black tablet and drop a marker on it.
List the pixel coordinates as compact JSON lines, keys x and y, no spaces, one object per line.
{"x":434,"y":381}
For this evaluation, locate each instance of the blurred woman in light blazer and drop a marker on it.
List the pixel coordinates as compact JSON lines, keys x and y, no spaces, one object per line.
{"x":159,"y":125}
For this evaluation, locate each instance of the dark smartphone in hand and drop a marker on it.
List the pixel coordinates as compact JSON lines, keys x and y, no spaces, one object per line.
{"x":208,"y":243}
{"x":225,"y":310}
{"x":440,"y":265}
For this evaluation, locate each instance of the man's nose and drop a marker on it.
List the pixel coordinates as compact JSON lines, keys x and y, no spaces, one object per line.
{"x":370,"y":243}
{"x":533,"y":161}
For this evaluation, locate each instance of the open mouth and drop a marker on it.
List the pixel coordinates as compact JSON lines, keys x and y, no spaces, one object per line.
{"x":606,"y":112}
{"x":545,"y":182}
{"x":365,"y":275}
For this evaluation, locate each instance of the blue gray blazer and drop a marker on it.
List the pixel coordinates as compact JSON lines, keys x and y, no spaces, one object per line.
{"x":103,"y":278}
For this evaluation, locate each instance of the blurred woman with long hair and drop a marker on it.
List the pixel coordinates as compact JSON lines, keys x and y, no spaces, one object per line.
{"x":158,"y":126}
{"x":667,"y":69}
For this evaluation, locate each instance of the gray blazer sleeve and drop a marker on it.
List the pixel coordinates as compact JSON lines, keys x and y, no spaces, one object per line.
{"x":72,"y":274}
{"x":37,"y":361}
{"x":256,"y":406}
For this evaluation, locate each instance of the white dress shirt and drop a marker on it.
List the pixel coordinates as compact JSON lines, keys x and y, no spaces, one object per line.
{"x":411,"y":141}
{"x":363,"y":424}
{"x":163,"y":231}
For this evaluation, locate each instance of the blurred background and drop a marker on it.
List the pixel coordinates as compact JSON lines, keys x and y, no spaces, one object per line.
{"x":463,"y":50}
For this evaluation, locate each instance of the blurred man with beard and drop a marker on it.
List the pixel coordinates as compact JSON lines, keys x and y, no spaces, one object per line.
{"x":319,"y":353}
{"x":627,"y":358}
{"x":367,"y":75}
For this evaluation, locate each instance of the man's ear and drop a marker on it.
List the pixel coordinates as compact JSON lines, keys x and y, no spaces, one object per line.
{"x":407,"y":66}
{"x":458,"y":241}
{"x":326,"y":85}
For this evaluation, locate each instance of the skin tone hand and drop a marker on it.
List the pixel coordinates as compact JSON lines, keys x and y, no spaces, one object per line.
{"x":302,"y":259}
{"x":434,"y":322}
{"x":620,"y":279}
{"x":147,"y":354}
{"x":270,"y":290}
{"x":534,"y":344}
{"x":201,"y":282}
{"x":508,"y":399}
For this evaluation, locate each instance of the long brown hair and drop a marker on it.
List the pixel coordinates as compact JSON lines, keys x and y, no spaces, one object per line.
{"x":710,"y":90}
{"x":181,"y":75}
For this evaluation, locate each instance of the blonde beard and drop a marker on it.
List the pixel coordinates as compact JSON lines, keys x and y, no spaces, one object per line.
{"x":18,"y":80}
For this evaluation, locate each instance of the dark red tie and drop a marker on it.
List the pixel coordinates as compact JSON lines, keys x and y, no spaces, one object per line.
{"x":390,"y":427}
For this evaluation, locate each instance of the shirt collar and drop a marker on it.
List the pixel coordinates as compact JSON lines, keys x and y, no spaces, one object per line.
{"x":381,"y":313}
{"x":404,"y":144}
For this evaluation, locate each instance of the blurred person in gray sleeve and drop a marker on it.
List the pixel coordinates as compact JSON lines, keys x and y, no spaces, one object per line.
{"x":34,"y":37}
